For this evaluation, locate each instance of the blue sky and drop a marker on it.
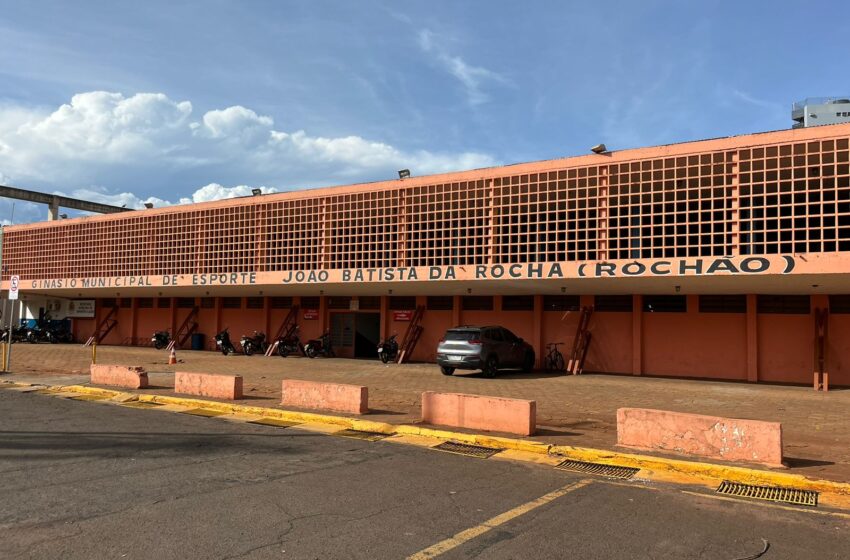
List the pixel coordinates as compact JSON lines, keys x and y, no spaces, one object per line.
{"x":175,"y":101}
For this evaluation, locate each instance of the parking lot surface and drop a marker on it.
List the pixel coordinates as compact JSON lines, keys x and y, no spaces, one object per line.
{"x":87,"y":480}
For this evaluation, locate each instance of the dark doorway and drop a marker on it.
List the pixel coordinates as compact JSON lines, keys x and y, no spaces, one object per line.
{"x":356,"y":335}
{"x":367,"y":334}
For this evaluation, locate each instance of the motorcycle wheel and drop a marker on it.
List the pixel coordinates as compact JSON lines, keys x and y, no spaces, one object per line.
{"x":310,"y":351}
{"x":282,"y":350}
{"x":248,"y":348}
{"x":385,"y":357}
{"x":159,"y":345}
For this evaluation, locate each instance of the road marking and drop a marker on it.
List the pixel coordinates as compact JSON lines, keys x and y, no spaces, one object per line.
{"x":464,"y":536}
{"x":774,"y":506}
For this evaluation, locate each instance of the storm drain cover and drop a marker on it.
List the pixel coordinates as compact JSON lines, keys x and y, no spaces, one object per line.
{"x":205,"y":412}
{"x":90,"y":397}
{"x":141,"y":404}
{"x":358,"y":434}
{"x":611,"y":471}
{"x":467,"y":449}
{"x":273,"y":422}
{"x":769,"y":493}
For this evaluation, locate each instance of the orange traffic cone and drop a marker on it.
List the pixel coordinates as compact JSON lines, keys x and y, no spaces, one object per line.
{"x":172,"y":358}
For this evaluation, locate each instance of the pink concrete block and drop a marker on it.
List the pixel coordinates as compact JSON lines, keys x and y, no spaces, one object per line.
{"x":353,"y":399}
{"x":730,"y":439}
{"x":478,"y":412}
{"x":132,"y":377}
{"x":208,"y":385}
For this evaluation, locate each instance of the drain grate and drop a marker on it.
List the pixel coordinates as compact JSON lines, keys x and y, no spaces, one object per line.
{"x":611,"y":471}
{"x":274,"y":422}
{"x":357,"y":434}
{"x":205,"y":412}
{"x":467,"y":449}
{"x":141,"y":404}
{"x":769,"y":493}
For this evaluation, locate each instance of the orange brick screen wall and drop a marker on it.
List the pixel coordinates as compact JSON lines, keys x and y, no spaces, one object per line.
{"x":770,"y":193}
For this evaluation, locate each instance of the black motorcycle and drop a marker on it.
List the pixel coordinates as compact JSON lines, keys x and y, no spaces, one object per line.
{"x":222,"y":341}
{"x":160,"y":339}
{"x":388,"y":349}
{"x":256,"y":343}
{"x":290,"y":345}
{"x":319,"y":347}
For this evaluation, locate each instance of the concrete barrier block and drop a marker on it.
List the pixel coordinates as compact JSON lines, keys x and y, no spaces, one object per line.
{"x":131,"y":377}
{"x":353,"y":399}
{"x":730,"y":439}
{"x":478,"y":412}
{"x":208,"y":385}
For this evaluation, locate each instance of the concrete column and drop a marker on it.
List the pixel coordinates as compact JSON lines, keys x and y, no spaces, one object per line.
{"x":385,"y":318}
{"x":637,"y":335}
{"x":456,"y":312}
{"x":267,"y":314}
{"x":134,"y":305}
{"x":217,"y":320}
{"x":53,"y":209}
{"x":538,"y":331}
{"x":323,"y":313}
{"x":752,"y":339}
{"x":173,"y":321}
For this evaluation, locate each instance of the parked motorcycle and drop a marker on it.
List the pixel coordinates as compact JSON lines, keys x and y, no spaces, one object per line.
{"x":222,"y":341}
{"x":256,"y":343}
{"x":319,"y":347}
{"x":19,"y":334}
{"x":160,"y":339}
{"x":290,"y":344}
{"x":388,"y":349}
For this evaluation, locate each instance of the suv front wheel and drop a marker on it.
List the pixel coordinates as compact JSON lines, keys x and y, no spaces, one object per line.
{"x":445,"y":370}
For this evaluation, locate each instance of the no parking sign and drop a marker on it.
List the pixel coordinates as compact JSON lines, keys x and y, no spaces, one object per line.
{"x":14,"y":281}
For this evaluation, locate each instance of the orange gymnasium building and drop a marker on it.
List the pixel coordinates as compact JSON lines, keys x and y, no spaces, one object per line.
{"x":725,"y":258}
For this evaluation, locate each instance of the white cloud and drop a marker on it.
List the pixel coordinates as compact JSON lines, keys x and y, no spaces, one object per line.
{"x":150,"y":143}
{"x":207,"y":193}
{"x":471,"y":77}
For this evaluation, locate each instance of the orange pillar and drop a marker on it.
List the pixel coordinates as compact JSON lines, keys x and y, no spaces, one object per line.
{"x":173,"y":321}
{"x":323,"y":314}
{"x":752,"y":339}
{"x":267,"y":313}
{"x":133,"y":331}
{"x":456,"y":312}
{"x":537,"y":332}
{"x":637,"y":335}
{"x":385,"y":319}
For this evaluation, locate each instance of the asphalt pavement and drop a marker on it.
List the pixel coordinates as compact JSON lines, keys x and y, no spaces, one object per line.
{"x":86,"y":480}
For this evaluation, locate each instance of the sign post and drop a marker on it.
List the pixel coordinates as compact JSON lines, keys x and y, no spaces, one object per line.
{"x":14,"y":282}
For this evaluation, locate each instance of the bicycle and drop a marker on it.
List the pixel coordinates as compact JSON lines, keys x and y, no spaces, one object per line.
{"x":554,"y":358}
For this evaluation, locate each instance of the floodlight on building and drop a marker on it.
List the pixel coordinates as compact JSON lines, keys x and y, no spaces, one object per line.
{"x":403,"y":173}
{"x":256,"y":192}
{"x":599,"y":149}
{"x":148,"y":205}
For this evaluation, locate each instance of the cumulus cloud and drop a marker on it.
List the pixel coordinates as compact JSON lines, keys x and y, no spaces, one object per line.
{"x":472,"y":78}
{"x":149,"y":143}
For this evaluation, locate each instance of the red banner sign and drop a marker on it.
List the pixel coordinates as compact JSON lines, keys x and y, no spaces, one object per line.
{"x":311,"y":314}
{"x":402,"y":315}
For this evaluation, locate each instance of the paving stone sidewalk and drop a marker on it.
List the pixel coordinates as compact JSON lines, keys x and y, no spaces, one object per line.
{"x":572,"y":410}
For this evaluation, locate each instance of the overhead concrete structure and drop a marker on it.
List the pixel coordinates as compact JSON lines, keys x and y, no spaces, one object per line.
{"x":726,"y":258}
{"x":54,"y":202}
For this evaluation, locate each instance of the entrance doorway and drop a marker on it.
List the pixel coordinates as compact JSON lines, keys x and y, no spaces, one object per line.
{"x":355,"y":335}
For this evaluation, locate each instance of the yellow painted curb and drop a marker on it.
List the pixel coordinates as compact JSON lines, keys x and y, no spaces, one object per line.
{"x":705,"y":471}
{"x":669,"y":469}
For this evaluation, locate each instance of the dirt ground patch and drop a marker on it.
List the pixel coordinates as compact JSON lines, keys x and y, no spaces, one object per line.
{"x":572,"y":410}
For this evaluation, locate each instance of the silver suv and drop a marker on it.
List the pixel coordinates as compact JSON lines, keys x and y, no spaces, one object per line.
{"x":486,"y":348}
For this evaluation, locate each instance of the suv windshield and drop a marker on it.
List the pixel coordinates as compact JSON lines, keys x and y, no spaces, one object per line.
{"x":462,"y":335}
